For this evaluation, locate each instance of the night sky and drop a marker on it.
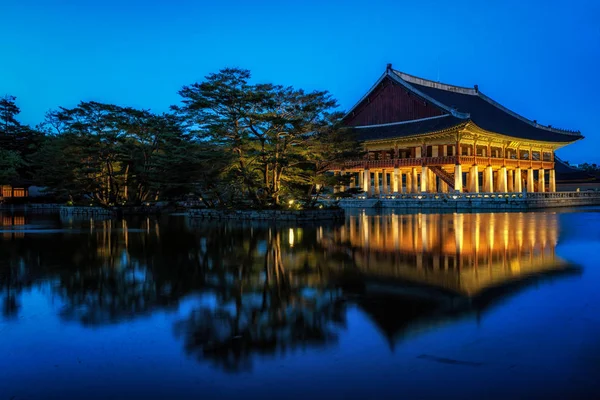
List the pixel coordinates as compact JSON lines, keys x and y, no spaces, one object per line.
{"x":538,"y":58}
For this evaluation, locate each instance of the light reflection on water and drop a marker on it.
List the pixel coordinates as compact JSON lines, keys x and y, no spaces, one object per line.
{"x":171,"y":307}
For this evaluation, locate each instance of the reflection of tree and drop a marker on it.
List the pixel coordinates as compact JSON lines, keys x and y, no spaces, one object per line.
{"x":107,"y":272}
{"x":125,"y":274}
{"x":270,"y":309}
{"x":13,"y":279}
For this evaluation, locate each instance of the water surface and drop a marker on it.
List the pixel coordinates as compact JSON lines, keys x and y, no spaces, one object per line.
{"x":385,"y":305}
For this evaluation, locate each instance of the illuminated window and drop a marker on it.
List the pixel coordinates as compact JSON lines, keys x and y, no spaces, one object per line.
{"x":19,"y":193}
{"x":6,"y":191}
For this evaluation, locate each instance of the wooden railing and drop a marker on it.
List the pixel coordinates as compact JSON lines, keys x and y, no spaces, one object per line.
{"x":444,"y":160}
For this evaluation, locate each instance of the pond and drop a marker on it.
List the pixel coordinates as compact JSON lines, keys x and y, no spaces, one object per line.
{"x":383,"y":305}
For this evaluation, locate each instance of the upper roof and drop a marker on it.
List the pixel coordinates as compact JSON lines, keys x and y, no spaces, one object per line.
{"x":462,"y":105}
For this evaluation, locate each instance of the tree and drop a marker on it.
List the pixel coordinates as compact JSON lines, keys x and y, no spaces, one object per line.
{"x":114,"y":155}
{"x":19,"y":139}
{"x":271,"y":132}
{"x":8,"y":113}
{"x":10,"y":162}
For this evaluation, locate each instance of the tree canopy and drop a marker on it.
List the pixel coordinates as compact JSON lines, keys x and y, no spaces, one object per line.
{"x":280,"y":139}
{"x":229,"y":143}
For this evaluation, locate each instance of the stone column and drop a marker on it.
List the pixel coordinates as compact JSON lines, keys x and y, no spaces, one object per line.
{"x":502,"y":178}
{"x":431,"y":181}
{"x":488,"y":185}
{"x":376,"y":183}
{"x":396,"y":180}
{"x":342,"y":187}
{"x":552,"y":178}
{"x":424,"y":179}
{"x":474,"y":174}
{"x":367,"y":181}
{"x":510,"y":186}
{"x":458,"y":178}
{"x":409,"y":183}
{"x":352,"y":180}
{"x":541,"y":180}
{"x":530,"y":186}
{"x":384,"y":182}
{"x":518,"y":180}
{"x":443,"y":187}
{"x":361,"y":179}
{"x":415,"y":181}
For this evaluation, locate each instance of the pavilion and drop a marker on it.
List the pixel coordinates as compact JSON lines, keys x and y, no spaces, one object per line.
{"x":422,"y":136}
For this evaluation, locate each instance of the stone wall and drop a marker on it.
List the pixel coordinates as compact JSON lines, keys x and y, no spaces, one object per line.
{"x":268,"y":215}
{"x":480,"y":201}
{"x":85,"y":211}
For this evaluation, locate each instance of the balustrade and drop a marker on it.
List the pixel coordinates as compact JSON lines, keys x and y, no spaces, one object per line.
{"x":445,"y":160}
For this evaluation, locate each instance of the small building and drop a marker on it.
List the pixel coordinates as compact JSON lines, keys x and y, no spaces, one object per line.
{"x":425,"y":136}
{"x":569,"y":179}
{"x":14,"y":192}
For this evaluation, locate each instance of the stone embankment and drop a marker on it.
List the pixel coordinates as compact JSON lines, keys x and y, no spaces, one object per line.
{"x":268,"y":215}
{"x":85,"y":211}
{"x":479,"y":201}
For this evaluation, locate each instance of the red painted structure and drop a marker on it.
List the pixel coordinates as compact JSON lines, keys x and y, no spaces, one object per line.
{"x":390,"y":102}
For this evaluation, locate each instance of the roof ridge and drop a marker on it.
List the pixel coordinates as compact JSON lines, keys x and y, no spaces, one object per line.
{"x":437,"y":85}
{"x":401,"y":122}
{"x":525,"y":119}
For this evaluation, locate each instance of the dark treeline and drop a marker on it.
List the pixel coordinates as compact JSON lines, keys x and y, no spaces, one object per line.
{"x":229,"y":143}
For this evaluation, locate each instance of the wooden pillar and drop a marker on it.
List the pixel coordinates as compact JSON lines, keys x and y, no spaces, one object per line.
{"x":443,"y":187}
{"x":541,"y":180}
{"x":415,"y":181}
{"x":530,"y":185}
{"x":518,"y":180}
{"x":552,"y":177}
{"x":488,"y":184}
{"x":396,"y":180}
{"x":431,"y":181}
{"x":474,"y":175}
{"x":361,"y":179}
{"x":424,"y":178}
{"x":502,"y":180}
{"x":458,"y":178}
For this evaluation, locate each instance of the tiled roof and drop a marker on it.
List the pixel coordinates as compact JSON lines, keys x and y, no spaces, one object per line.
{"x":566,"y":173}
{"x":483,"y":111}
{"x":408,"y":128}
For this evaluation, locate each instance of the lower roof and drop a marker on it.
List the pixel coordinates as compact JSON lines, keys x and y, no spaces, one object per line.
{"x":408,"y":128}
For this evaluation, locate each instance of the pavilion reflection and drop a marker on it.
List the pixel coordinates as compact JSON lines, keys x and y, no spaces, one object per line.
{"x":463,"y":253}
{"x":417,"y":271}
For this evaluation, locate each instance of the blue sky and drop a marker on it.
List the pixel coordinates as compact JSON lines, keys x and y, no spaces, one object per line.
{"x":539,"y":58}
